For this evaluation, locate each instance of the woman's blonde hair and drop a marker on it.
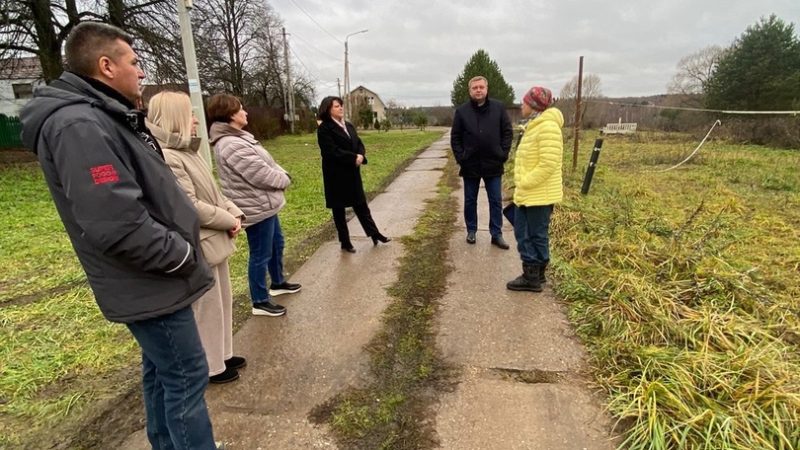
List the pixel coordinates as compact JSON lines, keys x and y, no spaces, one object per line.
{"x":172,"y":112}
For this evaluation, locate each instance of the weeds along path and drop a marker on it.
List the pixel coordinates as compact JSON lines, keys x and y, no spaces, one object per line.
{"x":66,"y":370}
{"x":684,"y":286}
{"x":406,"y":372}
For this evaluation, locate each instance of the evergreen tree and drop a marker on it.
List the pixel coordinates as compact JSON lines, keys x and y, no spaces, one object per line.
{"x":761,"y":71}
{"x":481,"y":64}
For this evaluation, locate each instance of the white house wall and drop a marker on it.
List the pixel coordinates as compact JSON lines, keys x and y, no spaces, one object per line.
{"x":9,"y":105}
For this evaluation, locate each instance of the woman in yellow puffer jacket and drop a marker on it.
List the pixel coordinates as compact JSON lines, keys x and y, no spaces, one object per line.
{"x":537,"y":180}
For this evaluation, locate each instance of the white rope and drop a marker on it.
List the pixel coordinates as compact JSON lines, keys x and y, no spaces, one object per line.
{"x":717,"y":122}
{"x":680,"y":108}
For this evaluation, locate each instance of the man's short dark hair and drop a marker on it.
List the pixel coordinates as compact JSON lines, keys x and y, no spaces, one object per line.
{"x":89,"y":41}
{"x":221,"y":107}
{"x":324,"y":112}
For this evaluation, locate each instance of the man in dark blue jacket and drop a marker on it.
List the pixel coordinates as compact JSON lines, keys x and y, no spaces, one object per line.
{"x":133,"y":229}
{"x":481,"y":139}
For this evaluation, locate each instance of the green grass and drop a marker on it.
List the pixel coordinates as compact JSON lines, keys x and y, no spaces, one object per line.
{"x":59,"y":358}
{"x":36,"y":255}
{"x":390,"y":412}
{"x":684,"y":285}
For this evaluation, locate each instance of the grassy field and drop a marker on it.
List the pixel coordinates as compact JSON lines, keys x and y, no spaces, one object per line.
{"x":58,"y":357}
{"x":684,"y":285}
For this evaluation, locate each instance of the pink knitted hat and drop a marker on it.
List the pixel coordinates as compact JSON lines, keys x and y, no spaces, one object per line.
{"x":538,"y":98}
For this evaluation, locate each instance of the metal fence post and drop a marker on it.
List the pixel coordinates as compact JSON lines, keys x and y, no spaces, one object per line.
{"x":587,"y":179}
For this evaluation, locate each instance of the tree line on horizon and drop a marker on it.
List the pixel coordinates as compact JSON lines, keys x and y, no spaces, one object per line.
{"x":239,"y":43}
{"x":758,"y":71}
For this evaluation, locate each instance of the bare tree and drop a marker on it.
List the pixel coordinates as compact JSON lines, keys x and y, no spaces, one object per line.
{"x":591,"y":89}
{"x":39,"y":27}
{"x":693,"y":71}
{"x":225,"y":32}
{"x":36,"y":28}
{"x":267,"y":78}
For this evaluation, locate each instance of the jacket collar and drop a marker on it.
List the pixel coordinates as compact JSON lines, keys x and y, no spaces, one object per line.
{"x":333,"y":126}
{"x":477,"y":107}
{"x":171,"y":140}
{"x":107,"y":90}
{"x":220,"y":130}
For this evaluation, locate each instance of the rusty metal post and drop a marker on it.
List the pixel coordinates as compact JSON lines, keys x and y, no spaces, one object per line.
{"x":577,"y":115}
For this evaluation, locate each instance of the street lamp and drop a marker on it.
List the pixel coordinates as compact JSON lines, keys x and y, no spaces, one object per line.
{"x":347,"y":76}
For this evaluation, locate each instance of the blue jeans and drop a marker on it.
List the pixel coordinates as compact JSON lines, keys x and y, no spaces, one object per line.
{"x":494,"y":193}
{"x":265,"y":240}
{"x":174,"y":377}
{"x":531,"y":228}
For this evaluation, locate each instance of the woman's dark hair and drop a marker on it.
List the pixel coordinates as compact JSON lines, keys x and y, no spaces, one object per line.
{"x":221,"y":107}
{"x":325,"y":107}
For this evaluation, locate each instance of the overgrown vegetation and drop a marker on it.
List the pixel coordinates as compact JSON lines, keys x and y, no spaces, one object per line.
{"x":684,"y":286}
{"x":390,"y":412}
{"x":59,"y":359}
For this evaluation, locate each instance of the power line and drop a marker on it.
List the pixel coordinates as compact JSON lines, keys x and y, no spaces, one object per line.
{"x":316,"y":48}
{"x":301,"y":62}
{"x":317,"y":23}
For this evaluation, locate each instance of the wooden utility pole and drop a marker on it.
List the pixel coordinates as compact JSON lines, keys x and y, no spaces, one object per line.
{"x":577,"y":132}
{"x":289,"y":90}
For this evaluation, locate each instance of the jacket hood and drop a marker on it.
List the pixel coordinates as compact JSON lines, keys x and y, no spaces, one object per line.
{"x":171,"y":140}
{"x":68,"y":89}
{"x":219,"y":130}
{"x":551,"y":113}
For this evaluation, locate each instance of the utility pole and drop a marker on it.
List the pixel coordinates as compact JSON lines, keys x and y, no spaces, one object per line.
{"x":339,"y":86}
{"x":195,"y":93}
{"x":347,"y":110}
{"x":346,"y":83}
{"x":288,"y":81}
{"x":577,"y":115}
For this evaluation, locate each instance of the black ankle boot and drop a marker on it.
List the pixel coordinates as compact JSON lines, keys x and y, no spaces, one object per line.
{"x":379,"y":237}
{"x":348,"y":247}
{"x":528,"y":281}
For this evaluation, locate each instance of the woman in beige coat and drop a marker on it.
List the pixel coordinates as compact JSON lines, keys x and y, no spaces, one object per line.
{"x":170,"y":119}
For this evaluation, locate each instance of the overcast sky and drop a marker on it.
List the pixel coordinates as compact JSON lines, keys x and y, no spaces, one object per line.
{"x":414,"y":49}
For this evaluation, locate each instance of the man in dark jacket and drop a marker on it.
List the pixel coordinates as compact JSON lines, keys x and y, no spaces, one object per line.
{"x":481,"y":139}
{"x":133,"y":229}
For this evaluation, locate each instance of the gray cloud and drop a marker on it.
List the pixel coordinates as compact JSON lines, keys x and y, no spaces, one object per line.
{"x":415,"y":49}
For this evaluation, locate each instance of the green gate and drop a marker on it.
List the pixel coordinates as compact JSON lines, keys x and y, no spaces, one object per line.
{"x":10,"y":129}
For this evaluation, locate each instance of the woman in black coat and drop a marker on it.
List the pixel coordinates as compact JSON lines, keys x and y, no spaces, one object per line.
{"x":342,"y":157}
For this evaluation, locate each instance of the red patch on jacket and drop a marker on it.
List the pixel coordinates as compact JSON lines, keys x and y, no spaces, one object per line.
{"x":104,"y":174}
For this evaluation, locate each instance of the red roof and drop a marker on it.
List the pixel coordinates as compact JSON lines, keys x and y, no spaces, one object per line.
{"x":20,"y":68}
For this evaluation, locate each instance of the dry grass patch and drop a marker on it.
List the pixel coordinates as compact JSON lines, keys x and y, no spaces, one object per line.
{"x":685,"y":287}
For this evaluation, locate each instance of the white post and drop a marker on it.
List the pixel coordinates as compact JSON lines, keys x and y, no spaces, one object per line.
{"x":289,"y":90}
{"x":346,"y":83}
{"x":347,"y":110}
{"x":193,"y":77}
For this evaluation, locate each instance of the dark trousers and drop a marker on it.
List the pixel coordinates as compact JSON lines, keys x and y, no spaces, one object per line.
{"x":494,"y":188}
{"x":174,"y":377}
{"x":266,"y":243}
{"x":364,"y":218}
{"x":531,"y":230}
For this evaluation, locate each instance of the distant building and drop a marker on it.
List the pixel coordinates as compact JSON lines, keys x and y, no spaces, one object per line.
{"x":372,"y":99}
{"x":18,"y":77}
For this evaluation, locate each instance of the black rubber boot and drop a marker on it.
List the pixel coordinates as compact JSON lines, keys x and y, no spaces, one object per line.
{"x":528,"y":281}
